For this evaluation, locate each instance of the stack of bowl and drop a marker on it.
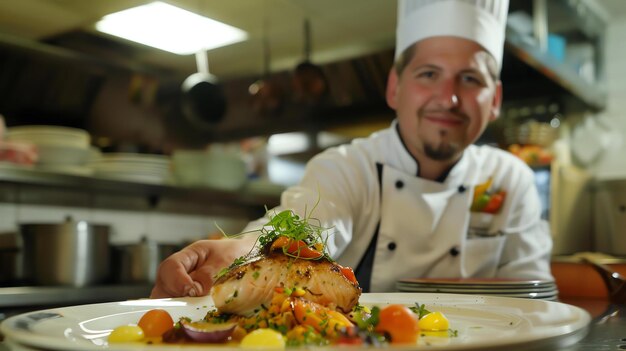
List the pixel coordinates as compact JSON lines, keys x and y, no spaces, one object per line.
{"x":60,"y":149}
{"x":211,"y":169}
{"x":133,"y":167}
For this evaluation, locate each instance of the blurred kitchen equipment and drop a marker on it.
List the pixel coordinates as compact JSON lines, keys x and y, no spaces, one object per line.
{"x":530,"y":132}
{"x":609,"y":199}
{"x":267,"y":95}
{"x":615,"y":283}
{"x":217,"y":169}
{"x":59,"y":149}
{"x":592,"y":140}
{"x":571,"y":209}
{"x":138,"y":262}
{"x":72,"y":253}
{"x":203,"y":99}
{"x":531,"y":289}
{"x":133,"y":167}
{"x":309,"y":81}
{"x":18,"y":153}
{"x":11,"y":261}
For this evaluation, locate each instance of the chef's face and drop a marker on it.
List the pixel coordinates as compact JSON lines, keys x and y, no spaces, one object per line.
{"x":444,"y":97}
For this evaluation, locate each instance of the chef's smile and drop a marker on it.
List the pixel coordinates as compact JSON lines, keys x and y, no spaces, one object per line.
{"x":444,"y":119}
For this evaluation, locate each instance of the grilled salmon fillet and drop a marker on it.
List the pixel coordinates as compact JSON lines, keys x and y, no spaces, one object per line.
{"x":245,"y":288}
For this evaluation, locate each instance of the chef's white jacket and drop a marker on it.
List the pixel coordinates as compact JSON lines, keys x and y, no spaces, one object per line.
{"x":369,"y":194}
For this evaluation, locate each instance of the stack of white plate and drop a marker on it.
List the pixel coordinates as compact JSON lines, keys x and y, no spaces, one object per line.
{"x":532,"y":289}
{"x":60,"y":149}
{"x":141,"y":168}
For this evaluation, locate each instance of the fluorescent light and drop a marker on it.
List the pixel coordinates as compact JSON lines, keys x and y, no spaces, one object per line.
{"x":170,"y":28}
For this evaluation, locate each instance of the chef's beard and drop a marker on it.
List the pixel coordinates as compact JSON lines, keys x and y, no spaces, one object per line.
{"x":442,"y":151}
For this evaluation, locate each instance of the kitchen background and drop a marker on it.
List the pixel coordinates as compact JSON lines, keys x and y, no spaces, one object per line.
{"x":149,"y":168}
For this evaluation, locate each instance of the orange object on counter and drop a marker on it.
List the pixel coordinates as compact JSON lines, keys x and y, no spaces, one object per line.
{"x":580,"y":280}
{"x":532,"y":155}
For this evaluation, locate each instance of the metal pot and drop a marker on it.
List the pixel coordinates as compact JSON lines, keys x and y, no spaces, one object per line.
{"x":71,"y":253}
{"x":138,"y":262}
{"x":11,"y":270}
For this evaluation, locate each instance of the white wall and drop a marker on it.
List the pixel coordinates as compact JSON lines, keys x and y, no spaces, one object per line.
{"x":613,"y":163}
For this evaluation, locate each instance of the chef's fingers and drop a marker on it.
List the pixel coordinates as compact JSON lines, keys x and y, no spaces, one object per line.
{"x":190,"y":272}
{"x":213,"y":255}
{"x":173,"y":278}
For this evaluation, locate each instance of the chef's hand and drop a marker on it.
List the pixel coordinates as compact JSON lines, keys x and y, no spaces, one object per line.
{"x":190,"y":271}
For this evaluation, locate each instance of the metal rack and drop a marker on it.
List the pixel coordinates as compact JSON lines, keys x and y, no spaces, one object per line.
{"x":32,"y":186}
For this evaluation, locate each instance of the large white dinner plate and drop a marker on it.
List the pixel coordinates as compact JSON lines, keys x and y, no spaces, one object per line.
{"x":482,"y":322}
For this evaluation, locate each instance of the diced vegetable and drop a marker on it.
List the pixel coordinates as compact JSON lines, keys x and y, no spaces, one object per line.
{"x":319,"y":317}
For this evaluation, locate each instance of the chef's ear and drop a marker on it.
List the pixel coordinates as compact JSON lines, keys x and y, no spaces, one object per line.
{"x":392,"y":87}
{"x":496,"y":103}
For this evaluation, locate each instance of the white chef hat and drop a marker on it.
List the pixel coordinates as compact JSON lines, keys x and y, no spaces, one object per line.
{"x":482,"y":21}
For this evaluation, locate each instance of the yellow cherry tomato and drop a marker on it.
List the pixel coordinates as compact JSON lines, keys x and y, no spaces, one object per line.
{"x":434,"y":321}
{"x":263,"y":338}
{"x":126,"y":333}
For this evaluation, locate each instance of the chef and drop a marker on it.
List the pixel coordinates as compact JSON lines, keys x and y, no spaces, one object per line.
{"x":417,"y":199}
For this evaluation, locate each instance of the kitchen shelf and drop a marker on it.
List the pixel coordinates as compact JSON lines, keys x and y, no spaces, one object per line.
{"x":249,"y":202}
{"x":592,"y":95}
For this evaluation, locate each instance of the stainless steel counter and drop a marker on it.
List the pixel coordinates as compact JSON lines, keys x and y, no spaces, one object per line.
{"x":607,"y":330}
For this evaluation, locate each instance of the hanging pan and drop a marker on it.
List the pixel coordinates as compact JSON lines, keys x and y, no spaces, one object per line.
{"x":267,"y":95}
{"x":203,"y":99}
{"x":309,"y":80}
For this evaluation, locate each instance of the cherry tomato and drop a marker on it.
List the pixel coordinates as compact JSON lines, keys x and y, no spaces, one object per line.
{"x":434,"y":321}
{"x":126,"y":333}
{"x":400,"y":323}
{"x":296,"y":247}
{"x":263,"y":338}
{"x":156,"y":322}
{"x":348,"y":273}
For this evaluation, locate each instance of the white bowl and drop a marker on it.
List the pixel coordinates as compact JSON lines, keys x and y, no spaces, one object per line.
{"x":53,"y":154}
{"x":215,"y":170}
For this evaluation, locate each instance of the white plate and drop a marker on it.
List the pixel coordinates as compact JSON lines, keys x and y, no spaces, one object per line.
{"x":50,"y":135}
{"x":481,"y":322}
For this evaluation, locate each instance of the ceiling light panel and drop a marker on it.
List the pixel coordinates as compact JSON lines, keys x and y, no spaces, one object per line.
{"x":170,"y":28}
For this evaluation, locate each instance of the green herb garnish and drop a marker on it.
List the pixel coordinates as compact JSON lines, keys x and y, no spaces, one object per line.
{"x":285,"y":224}
{"x":419,"y":310}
